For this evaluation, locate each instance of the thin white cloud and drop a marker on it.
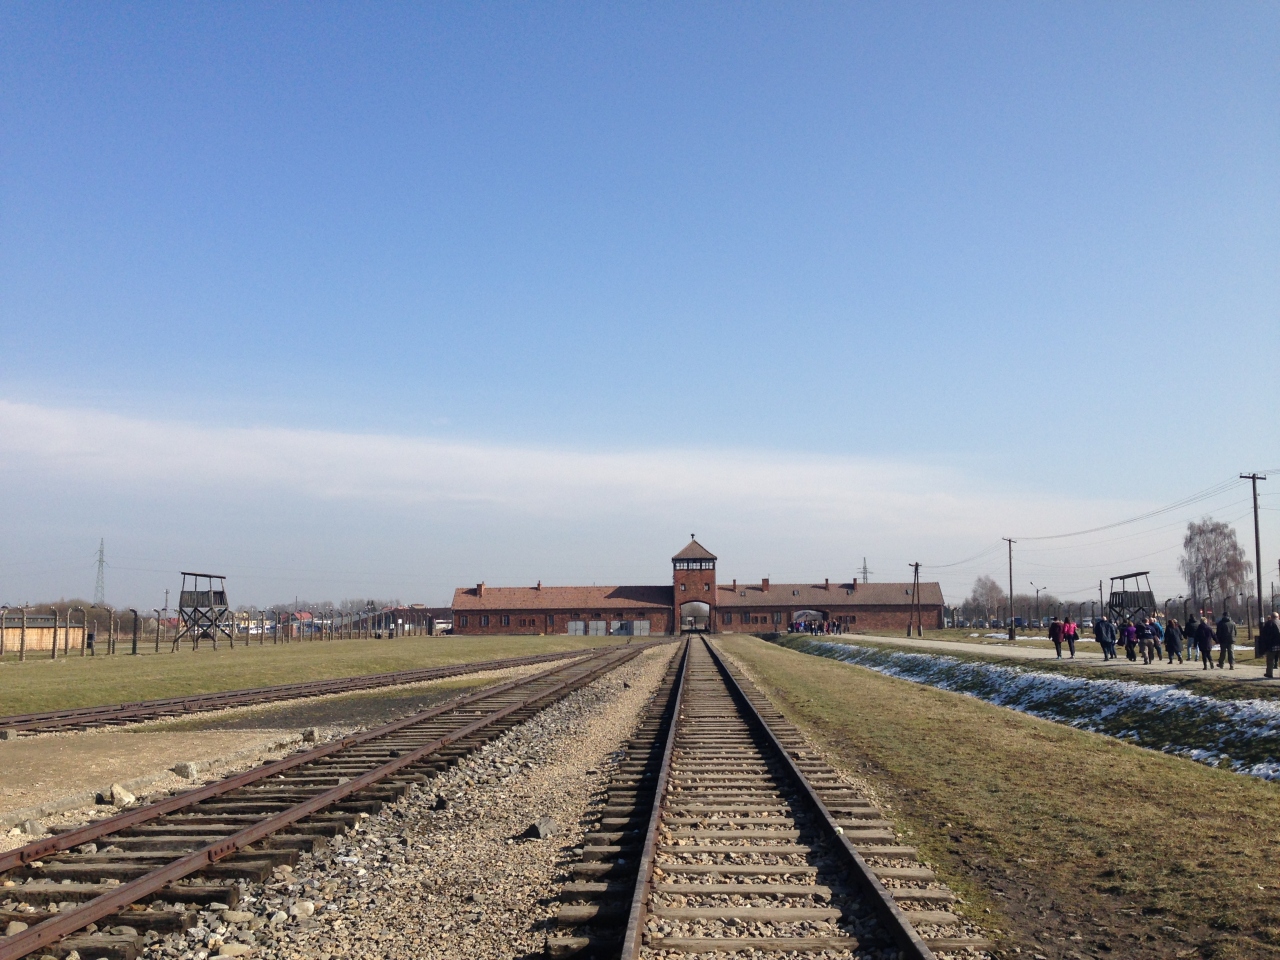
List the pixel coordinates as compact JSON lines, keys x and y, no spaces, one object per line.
{"x":458,"y":511}
{"x":398,"y":471}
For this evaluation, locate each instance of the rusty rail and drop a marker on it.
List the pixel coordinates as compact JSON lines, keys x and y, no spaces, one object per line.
{"x":631,"y":939}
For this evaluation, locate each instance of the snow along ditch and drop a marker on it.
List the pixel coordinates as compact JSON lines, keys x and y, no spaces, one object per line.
{"x":1239,"y":735}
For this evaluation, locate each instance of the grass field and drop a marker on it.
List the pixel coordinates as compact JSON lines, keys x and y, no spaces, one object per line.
{"x":1078,"y":845}
{"x":44,"y":684}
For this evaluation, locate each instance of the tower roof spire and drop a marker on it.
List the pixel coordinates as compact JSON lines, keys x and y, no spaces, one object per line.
{"x":693,"y":550}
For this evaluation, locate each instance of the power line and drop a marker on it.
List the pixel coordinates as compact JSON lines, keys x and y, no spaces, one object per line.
{"x":959,"y":563}
{"x":1206,"y":494}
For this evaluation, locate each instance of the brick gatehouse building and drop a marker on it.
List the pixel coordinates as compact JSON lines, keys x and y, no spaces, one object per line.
{"x":693,"y":601}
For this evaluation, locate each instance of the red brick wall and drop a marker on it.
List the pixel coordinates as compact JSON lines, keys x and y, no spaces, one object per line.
{"x":535,"y":621}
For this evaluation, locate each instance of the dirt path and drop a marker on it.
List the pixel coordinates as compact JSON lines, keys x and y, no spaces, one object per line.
{"x":1087,"y":654}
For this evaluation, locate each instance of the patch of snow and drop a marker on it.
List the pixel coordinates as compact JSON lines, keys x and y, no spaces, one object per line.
{"x":1240,"y":735}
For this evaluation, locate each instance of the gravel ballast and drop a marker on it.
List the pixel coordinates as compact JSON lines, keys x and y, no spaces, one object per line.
{"x":454,"y":869}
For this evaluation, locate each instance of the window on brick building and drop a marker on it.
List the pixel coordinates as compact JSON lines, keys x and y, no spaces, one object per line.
{"x":506,"y":620}
{"x":484,"y":621}
{"x":551,"y":619}
{"x":777,"y":617}
{"x":462,"y":621}
{"x":682,"y":586}
{"x":706,"y":586}
{"x":726,"y":618}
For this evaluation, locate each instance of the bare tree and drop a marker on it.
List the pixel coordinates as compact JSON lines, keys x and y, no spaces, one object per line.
{"x":1213,"y":562}
{"x":986,"y":596}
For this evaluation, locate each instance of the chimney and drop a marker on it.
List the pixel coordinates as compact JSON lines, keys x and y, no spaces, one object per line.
{"x":735,"y":584}
{"x":539,"y":586}
{"x":827,"y":584}
{"x":764,"y":585}
{"x":480,"y":589}
{"x":854,"y":585}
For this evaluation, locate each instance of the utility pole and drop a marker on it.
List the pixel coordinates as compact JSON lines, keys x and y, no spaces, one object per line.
{"x":1253,"y":478}
{"x":866,"y":574}
{"x":100,"y":588}
{"x":916,"y":610}
{"x":1013,"y":634}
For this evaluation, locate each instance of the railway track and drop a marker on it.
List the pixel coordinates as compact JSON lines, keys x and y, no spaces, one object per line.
{"x":83,"y":718}
{"x":722,"y":834}
{"x":149,"y":868}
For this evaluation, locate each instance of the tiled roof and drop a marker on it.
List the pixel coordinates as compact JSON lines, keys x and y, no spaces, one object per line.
{"x":693,"y":550}
{"x":586,"y":599}
{"x":818,"y":596}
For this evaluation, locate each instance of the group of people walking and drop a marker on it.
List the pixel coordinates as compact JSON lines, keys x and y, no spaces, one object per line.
{"x":1148,"y":639}
{"x":817,"y":627}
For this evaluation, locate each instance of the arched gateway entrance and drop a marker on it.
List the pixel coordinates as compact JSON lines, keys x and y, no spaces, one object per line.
{"x":809,"y":616}
{"x":695,"y":615}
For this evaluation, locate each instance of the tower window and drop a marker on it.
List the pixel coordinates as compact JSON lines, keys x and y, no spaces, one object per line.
{"x":682,"y":588}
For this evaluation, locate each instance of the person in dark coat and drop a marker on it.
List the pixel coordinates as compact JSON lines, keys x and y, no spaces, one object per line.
{"x":1269,"y":642}
{"x":1204,"y":640}
{"x":1157,"y":635}
{"x":1173,"y":639}
{"x":1226,"y":642}
{"x":1055,"y":634}
{"x":1103,"y":632}
{"x":1109,"y":633}
{"x":1189,"y":631}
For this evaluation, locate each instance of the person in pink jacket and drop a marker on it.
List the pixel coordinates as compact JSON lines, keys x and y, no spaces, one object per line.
{"x":1069,"y":635}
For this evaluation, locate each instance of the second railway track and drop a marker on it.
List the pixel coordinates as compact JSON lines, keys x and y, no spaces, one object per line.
{"x":110,"y":715}
{"x":722,"y":834}
{"x":146,"y":869}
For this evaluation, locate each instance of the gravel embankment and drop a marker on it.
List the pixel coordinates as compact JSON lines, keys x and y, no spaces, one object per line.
{"x":446,"y":872}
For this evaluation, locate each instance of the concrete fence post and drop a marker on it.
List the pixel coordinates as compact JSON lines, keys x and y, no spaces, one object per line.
{"x":53,"y":647}
{"x":22,"y":638}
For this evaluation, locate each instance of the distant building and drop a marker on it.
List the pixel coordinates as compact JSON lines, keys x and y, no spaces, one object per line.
{"x":693,"y":601}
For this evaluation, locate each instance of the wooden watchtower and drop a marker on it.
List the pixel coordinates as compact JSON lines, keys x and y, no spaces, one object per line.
{"x":202,"y":609}
{"x":1131,"y":604}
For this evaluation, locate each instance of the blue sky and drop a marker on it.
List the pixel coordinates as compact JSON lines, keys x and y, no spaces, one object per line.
{"x":1025,"y":254}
